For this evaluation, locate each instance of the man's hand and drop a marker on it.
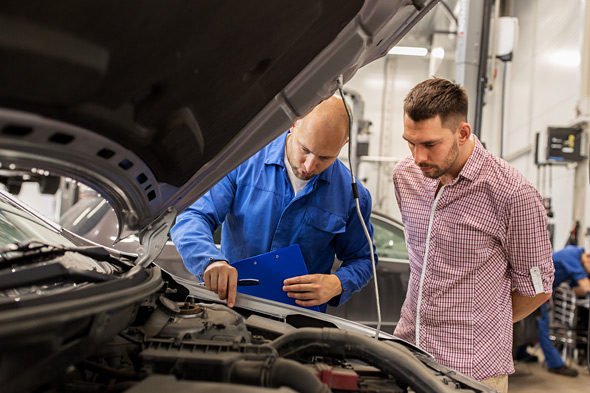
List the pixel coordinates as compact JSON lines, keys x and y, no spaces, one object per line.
{"x":312,"y":289}
{"x":222,"y":278}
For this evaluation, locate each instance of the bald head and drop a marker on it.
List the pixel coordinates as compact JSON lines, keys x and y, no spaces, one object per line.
{"x":316,"y":139}
{"x":328,"y":120}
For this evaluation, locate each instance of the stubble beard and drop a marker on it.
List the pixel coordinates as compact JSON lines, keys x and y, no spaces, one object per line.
{"x":449,"y":161}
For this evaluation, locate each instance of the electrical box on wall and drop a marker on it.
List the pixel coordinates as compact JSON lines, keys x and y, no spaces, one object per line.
{"x":506,"y":37}
{"x":564,"y":144}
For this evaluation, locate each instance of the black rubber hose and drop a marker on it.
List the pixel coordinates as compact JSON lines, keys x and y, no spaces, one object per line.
{"x":276,"y":373}
{"x":296,"y":375}
{"x":390,"y":358}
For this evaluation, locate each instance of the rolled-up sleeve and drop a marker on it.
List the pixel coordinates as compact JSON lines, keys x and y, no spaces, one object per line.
{"x":527,"y":241}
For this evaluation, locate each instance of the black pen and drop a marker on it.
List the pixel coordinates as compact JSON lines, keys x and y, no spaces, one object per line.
{"x":243,"y":282}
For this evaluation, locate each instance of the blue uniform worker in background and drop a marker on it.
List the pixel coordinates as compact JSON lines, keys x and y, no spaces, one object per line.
{"x":572,"y":265}
{"x":293,"y":191}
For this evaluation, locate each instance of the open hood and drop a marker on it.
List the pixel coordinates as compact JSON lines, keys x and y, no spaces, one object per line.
{"x":152,"y":102}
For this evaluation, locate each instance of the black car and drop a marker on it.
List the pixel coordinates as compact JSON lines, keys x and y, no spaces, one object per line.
{"x":150,"y":103}
{"x":393,"y":274}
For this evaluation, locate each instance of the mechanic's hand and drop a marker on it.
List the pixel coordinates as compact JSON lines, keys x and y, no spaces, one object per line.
{"x":312,"y":289}
{"x":222,"y":278}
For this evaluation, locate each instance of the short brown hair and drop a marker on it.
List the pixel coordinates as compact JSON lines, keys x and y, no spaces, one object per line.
{"x":436,"y":96}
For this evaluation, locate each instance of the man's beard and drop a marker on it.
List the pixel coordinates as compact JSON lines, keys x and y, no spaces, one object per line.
{"x":299,"y":174}
{"x":304,"y":177}
{"x":437,"y":171}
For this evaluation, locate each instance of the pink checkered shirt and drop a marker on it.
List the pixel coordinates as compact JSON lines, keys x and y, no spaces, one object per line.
{"x":481,"y":235}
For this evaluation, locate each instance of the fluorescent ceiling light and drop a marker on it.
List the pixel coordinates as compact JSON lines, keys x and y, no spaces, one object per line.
{"x":438,"y":53}
{"x":408,"y":51}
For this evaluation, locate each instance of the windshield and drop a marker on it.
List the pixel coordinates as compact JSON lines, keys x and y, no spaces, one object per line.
{"x":34,"y":277}
{"x":85,"y":215}
{"x":389,"y":239}
{"x":19,"y":226}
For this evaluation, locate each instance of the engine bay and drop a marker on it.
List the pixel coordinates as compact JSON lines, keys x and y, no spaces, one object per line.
{"x":196,"y":346}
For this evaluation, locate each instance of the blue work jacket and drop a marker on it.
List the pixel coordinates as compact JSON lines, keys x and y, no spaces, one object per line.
{"x":568,"y":266}
{"x":260,"y":213}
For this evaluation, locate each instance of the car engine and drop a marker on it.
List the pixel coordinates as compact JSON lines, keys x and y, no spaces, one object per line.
{"x":184,"y":346}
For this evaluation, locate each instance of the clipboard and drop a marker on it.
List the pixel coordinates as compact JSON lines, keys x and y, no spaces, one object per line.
{"x":271,"y":269}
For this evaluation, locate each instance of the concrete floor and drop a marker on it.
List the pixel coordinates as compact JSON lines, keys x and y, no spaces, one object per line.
{"x":534,"y":378}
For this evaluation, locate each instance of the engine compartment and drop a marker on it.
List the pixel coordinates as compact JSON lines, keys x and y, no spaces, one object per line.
{"x":176,"y":344}
{"x":196,"y":346}
{"x":148,"y":332}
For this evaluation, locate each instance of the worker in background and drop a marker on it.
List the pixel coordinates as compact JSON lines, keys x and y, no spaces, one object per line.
{"x":293,"y":191}
{"x":480,"y":256}
{"x":572,"y":265}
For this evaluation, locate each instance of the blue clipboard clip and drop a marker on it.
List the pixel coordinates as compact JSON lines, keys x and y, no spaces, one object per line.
{"x":271,"y":269}
{"x":248,"y":282}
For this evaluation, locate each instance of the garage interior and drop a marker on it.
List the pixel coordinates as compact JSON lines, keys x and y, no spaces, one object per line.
{"x":526,"y":67}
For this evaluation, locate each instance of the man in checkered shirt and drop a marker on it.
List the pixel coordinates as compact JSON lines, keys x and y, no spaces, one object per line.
{"x":480,"y":257}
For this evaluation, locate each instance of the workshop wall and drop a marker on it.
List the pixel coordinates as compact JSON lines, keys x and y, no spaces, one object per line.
{"x":383,"y":85}
{"x":543,"y":89}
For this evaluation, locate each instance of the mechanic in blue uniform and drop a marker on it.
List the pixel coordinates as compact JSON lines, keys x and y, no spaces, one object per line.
{"x":293,"y":191}
{"x":572,"y":265}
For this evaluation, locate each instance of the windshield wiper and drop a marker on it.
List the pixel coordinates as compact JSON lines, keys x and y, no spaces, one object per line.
{"x":37,"y":251}
{"x":54,"y":272}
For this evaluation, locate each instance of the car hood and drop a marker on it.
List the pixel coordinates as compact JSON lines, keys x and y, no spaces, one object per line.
{"x":152,"y":102}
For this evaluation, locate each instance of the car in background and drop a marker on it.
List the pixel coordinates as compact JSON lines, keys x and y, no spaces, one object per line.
{"x":150,"y":103}
{"x":93,"y":218}
{"x":393,"y":274}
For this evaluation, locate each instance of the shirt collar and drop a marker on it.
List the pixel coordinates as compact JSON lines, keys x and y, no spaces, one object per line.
{"x":275,"y":155}
{"x":475,"y":161}
{"x":326,"y":175}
